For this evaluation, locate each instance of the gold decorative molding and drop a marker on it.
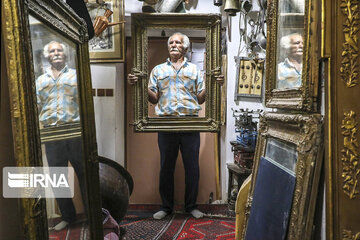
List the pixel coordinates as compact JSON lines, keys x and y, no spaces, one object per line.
{"x":16,"y":33}
{"x":304,"y":97}
{"x":350,"y":156}
{"x":347,"y":235}
{"x":349,"y":64}
{"x":305,"y":132}
{"x":210,"y":24}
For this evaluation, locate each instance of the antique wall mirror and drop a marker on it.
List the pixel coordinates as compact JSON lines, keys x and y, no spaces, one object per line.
{"x":285,"y":179}
{"x":204,"y":33}
{"x":291,"y":63}
{"x":40,"y":34}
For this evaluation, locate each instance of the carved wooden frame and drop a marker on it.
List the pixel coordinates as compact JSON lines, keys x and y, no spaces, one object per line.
{"x":304,"y":131}
{"x":302,"y":98}
{"x":140,"y":24}
{"x":26,"y":133}
{"x":342,"y":155}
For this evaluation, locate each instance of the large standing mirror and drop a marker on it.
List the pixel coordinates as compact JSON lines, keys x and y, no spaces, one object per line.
{"x":52,"y":67}
{"x":289,"y":83}
{"x":57,"y":93}
{"x":286,"y":173}
{"x":150,"y":33}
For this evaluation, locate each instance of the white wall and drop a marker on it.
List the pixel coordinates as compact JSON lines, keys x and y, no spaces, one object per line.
{"x":109,"y":111}
{"x":228,"y":132}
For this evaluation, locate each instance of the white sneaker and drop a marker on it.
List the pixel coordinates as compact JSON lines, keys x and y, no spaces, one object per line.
{"x":196,"y":213}
{"x":160,"y":215}
{"x":61,"y":225}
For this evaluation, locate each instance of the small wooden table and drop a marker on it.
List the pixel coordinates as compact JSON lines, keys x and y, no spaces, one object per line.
{"x":240,"y":174}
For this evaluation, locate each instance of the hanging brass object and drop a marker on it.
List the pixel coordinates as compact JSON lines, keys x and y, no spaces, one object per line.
{"x":102,"y":22}
{"x":165,"y":6}
{"x":218,"y":2}
{"x":232,"y":7}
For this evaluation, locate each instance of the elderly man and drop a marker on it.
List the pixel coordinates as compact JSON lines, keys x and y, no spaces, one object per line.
{"x":289,"y":71}
{"x":57,"y":99}
{"x":177,"y":88}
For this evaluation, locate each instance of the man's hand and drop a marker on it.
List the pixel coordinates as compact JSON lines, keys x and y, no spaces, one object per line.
{"x":220,"y":79}
{"x":132,"y":79}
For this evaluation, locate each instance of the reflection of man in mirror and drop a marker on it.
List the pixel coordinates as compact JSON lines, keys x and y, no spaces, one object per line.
{"x":177,"y":88}
{"x":57,"y":87}
{"x":57,"y":98}
{"x":289,"y":71}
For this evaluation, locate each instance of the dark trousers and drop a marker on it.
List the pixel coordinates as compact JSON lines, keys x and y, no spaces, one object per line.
{"x":169,"y":145}
{"x":58,"y":154}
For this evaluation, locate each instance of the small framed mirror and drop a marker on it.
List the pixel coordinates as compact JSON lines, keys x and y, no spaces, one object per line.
{"x":286,"y":173}
{"x":52,"y":110}
{"x":290,"y":83}
{"x":150,"y":33}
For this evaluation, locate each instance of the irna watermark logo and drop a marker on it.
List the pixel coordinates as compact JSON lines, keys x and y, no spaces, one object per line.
{"x":33,"y":182}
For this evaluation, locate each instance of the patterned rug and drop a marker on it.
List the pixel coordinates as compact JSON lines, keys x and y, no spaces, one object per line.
{"x":78,"y":230}
{"x":218,"y":224}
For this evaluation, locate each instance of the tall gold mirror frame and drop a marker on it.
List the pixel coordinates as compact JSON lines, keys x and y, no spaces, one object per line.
{"x":304,"y":131}
{"x":303,"y":98}
{"x":27,"y":146}
{"x":211,"y":23}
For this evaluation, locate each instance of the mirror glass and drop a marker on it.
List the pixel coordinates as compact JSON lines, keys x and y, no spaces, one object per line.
{"x":55,"y":64}
{"x":290,"y":40}
{"x":282,"y":152}
{"x":158,"y":53}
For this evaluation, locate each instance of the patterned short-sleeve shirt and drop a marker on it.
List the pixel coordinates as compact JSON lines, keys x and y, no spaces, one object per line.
{"x":178,"y":89}
{"x":288,"y":75}
{"x":57,"y":99}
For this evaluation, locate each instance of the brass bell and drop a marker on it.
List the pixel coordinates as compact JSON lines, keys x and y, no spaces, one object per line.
{"x":232,"y":7}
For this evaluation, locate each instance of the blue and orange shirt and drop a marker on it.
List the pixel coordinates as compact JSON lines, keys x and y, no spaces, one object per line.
{"x":57,"y":99}
{"x":288,"y":75}
{"x":178,"y":88}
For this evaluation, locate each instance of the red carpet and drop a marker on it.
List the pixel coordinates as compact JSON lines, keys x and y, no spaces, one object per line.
{"x":218,"y":224}
{"x":138,"y":224}
{"x":77,"y":230}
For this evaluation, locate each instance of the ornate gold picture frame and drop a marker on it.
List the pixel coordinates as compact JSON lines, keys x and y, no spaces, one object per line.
{"x":294,"y":142}
{"x":53,"y":21}
{"x":210,"y":25}
{"x":109,"y":46}
{"x":291,"y":61}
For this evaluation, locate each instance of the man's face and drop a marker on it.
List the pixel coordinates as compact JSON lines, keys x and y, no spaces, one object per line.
{"x":176,"y":46}
{"x":56,"y":54}
{"x":296,"y":46}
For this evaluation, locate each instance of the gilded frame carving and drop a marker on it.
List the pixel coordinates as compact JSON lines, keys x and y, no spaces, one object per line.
{"x":26,"y":133}
{"x":342,"y":87}
{"x":211,"y":23}
{"x":305,"y":132}
{"x":303,"y":98}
